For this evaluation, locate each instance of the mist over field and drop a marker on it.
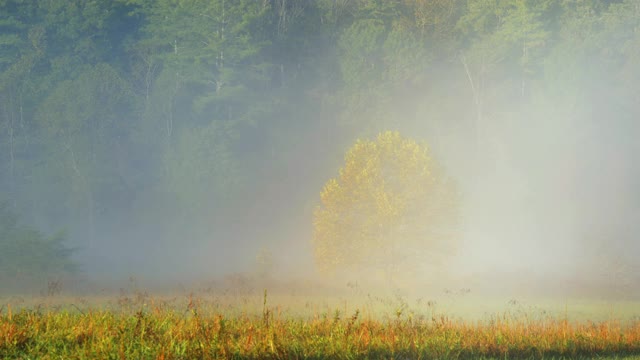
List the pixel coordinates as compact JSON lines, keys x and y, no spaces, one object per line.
{"x":173,"y":142}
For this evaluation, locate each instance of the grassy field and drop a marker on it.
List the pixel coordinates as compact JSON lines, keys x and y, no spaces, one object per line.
{"x":253,"y":326}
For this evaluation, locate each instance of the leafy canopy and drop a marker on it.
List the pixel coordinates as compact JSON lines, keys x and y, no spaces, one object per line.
{"x":391,"y":207}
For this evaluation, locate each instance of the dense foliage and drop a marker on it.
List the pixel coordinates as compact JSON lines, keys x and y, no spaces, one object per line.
{"x":391,"y":208}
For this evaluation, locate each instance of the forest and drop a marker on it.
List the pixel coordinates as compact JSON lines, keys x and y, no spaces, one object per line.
{"x":138,"y":132}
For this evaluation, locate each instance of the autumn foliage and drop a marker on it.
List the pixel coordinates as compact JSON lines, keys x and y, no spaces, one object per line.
{"x":390,"y":208}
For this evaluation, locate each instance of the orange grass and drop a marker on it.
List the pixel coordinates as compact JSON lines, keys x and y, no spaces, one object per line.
{"x":159,"y":332}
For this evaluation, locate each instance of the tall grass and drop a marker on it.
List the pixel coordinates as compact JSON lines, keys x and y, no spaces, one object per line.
{"x":151,"y":329}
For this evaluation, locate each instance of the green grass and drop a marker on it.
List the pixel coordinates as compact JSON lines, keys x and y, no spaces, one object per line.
{"x":138,"y":326}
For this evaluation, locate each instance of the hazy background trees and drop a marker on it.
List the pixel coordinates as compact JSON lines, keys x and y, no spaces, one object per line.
{"x":27,"y":257}
{"x":203,"y":130}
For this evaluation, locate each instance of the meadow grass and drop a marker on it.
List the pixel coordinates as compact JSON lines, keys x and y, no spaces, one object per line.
{"x":139,"y":326}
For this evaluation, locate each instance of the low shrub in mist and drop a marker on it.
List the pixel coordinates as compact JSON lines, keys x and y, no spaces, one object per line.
{"x":28,"y":258}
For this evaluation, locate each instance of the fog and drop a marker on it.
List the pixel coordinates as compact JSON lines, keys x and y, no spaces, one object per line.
{"x":550,"y":196}
{"x":544,"y":154}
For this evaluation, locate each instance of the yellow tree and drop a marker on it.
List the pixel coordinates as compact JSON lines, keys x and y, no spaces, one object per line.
{"x":390,"y":208}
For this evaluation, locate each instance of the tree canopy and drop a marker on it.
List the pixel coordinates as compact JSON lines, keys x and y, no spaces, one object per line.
{"x":391,"y":207}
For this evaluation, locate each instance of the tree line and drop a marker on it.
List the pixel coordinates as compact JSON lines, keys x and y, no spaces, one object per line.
{"x":174,"y":112}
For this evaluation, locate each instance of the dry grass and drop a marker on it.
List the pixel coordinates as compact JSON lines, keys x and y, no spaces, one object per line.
{"x":139,"y":326}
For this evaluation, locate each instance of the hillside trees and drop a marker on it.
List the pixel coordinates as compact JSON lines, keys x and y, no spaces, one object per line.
{"x":391,"y":207}
{"x":507,"y":42}
{"x":209,"y":81}
{"x":380,"y":54}
{"x":113,"y":111}
{"x":61,"y":81}
{"x":221,"y":82}
{"x":84,"y":123}
{"x":22,"y":48}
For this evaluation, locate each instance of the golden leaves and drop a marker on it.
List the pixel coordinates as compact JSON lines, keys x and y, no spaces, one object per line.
{"x":381,"y":207}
